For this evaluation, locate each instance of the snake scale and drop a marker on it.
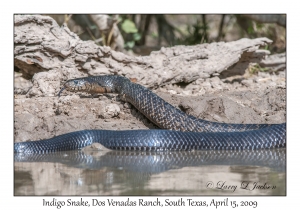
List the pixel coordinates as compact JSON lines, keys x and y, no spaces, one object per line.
{"x":180,"y":131}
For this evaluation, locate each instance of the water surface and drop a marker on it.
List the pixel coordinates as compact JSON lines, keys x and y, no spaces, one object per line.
{"x":260,"y":172}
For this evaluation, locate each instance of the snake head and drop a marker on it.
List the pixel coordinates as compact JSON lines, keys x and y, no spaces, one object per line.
{"x":93,"y":84}
{"x":76,"y":85}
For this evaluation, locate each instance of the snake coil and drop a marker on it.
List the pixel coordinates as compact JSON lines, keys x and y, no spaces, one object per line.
{"x":184,"y":132}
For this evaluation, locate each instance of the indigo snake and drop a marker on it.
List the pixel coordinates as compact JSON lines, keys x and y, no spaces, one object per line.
{"x":183,"y":131}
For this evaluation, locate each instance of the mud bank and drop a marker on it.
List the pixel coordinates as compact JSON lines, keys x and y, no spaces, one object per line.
{"x":263,"y":101}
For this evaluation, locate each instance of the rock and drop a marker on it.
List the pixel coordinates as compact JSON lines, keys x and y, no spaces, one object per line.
{"x":110,"y":111}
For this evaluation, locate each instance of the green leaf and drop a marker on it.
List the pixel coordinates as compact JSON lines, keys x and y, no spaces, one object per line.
{"x":154,"y":35}
{"x":130,"y":44}
{"x":137,"y":36}
{"x":250,"y":30}
{"x":129,"y":27}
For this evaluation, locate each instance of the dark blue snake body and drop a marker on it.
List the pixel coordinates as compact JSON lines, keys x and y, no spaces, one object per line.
{"x":185,"y":132}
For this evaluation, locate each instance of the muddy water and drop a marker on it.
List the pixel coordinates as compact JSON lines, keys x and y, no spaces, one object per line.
{"x":135,"y":173}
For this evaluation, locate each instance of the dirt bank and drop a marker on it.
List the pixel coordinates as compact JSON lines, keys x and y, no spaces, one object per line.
{"x":258,"y":99}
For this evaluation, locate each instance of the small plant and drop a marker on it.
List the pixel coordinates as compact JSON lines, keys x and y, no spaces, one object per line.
{"x":255,"y":68}
{"x":132,"y":33}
